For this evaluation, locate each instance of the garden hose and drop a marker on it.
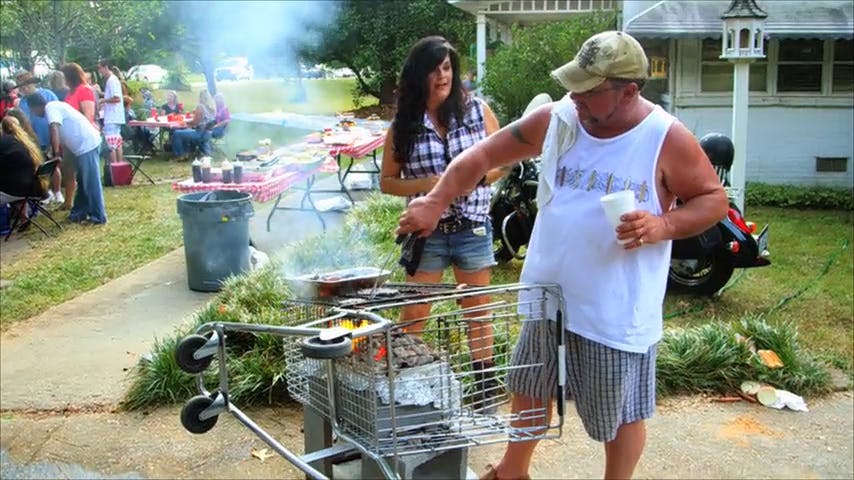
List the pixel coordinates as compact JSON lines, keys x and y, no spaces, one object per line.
{"x":826,"y":268}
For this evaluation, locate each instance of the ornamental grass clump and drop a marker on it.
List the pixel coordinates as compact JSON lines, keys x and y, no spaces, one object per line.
{"x":255,"y":362}
{"x":703,"y":359}
{"x":802,"y":373}
{"x":717,"y":357}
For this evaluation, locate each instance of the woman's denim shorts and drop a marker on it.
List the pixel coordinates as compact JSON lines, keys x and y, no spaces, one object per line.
{"x":469,"y":250}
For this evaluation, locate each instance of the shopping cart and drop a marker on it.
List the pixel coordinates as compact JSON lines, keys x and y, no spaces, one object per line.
{"x":408,"y":402}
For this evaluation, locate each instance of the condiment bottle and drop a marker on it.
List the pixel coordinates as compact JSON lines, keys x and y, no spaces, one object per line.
{"x":206,"y":169}
{"x":197,"y":171}
{"x":238,"y":172}
{"x":226,"y":171}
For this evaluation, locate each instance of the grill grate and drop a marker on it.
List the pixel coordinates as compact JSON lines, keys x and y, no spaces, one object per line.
{"x":387,"y":293}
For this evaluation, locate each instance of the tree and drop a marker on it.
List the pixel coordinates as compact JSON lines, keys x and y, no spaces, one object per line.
{"x":518,"y":72}
{"x":372,"y":38}
{"x":90,"y":29}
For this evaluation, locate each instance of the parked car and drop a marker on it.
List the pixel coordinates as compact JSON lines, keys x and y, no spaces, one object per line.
{"x":147,"y":73}
{"x":234,"y":68}
{"x":342,"y":73}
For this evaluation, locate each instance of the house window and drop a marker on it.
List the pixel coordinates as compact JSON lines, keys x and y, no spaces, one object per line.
{"x":717,"y":74}
{"x":831,"y":164}
{"x":843,"y":66}
{"x":799,"y":65}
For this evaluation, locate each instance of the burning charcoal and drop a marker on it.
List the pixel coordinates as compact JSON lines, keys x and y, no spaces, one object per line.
{"x":401,"y":352}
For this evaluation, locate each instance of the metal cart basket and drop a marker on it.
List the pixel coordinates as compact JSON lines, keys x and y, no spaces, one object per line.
{"x":397,"y":394}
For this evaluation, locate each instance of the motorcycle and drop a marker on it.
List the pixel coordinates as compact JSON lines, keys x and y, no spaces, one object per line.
{"x":703,"y":264}
{"x":513,"y":206}
{"x":700,"y":265}
{"x":513,"y":209}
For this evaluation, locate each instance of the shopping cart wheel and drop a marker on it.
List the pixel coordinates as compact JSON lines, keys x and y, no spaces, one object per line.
{"x":314,"y":347}
{"x":184,"y":354}
{"x":191,"y":411}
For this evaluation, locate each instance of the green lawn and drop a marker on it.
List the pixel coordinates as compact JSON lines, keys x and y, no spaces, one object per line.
{"x":801,"y":243}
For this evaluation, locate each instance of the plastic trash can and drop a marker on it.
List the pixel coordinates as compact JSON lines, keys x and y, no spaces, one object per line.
{"x":216,"y":236}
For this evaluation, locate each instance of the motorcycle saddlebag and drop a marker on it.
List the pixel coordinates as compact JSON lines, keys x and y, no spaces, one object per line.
{"x":698,"y":246}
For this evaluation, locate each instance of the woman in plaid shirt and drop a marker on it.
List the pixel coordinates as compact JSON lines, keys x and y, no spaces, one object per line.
{"x":436,"y":120}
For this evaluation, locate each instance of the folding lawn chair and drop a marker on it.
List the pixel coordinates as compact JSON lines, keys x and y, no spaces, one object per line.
{"x":32,"y":203}
{"x":141,"y":149}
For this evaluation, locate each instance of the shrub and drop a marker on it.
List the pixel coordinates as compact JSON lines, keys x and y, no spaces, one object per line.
{"x":176,"y":79}
{"x":517,"y":73}
{"x":134,"y":86}
{"x":796,"y":196}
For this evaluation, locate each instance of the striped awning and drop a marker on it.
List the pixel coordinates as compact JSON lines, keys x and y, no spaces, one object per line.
{"x":786,"y":19}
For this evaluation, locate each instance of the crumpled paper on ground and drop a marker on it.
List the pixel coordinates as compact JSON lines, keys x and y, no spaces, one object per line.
{"x":789,"y":400}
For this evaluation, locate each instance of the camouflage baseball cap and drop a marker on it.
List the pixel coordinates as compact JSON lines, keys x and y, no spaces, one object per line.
{"x":605,"y":55}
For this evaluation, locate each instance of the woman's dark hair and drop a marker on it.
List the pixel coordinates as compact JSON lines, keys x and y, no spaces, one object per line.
{"x":413,"y":90}
{"x":74,"y":75}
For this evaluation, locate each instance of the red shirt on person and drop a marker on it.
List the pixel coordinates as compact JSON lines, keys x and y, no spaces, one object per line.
{"x":79,"y":94}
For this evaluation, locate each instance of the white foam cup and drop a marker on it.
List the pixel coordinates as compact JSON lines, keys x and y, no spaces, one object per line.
{"x":615,"y":205}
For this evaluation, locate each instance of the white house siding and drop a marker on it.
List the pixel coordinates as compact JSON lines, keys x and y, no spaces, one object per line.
{"x":785,"y":133}
{"x":783,"y":142}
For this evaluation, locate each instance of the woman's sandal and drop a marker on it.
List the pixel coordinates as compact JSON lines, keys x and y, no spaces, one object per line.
{"x":492,"y":474}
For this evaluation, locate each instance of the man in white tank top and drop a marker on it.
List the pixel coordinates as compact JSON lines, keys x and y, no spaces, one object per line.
{"x":603,"y":137}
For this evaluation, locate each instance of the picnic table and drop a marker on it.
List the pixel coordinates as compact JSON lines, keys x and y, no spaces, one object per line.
{"x":355,"y":143}
{"x":290,"y":171}
{"x":161,"y":124}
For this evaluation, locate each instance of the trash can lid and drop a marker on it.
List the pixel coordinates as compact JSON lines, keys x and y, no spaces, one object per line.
{"x":215,"y":196}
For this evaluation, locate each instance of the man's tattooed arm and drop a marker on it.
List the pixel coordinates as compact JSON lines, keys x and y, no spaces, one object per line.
{"x":517,"y":134}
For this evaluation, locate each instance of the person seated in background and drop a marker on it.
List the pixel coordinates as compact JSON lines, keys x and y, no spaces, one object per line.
{"x":198,"y":131}
{"x":8,"y":97}
{"x":20,"y":157}
{"x":223,"y":117}
{"x":143,"y":139}
{"x":24,"y":122}
{"x":147,"y":99}
{"x":172,"y":105}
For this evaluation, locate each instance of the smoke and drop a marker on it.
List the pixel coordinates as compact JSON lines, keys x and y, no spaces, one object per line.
{"x":270,"y":33}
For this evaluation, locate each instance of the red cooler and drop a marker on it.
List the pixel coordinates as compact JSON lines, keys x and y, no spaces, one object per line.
{"x":122,"y":173}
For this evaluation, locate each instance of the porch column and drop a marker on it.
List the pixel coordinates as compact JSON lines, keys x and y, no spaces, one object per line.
{"x":740,"y":103}
{"x":481,"y":47}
